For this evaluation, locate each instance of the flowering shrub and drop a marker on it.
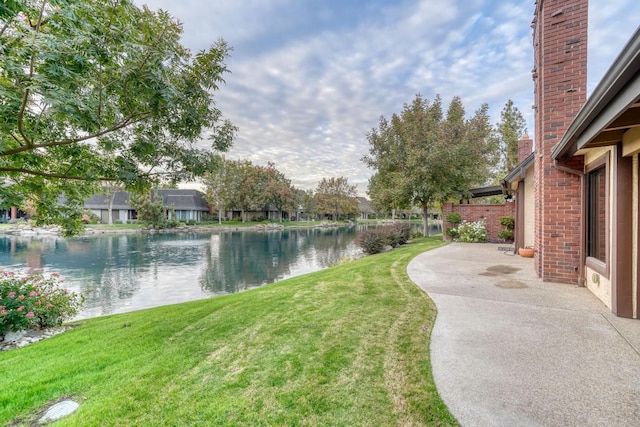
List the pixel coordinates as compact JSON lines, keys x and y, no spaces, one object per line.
{"x":34,"y":301}
{"x":452,"y":232}
{"x":472,"y":232}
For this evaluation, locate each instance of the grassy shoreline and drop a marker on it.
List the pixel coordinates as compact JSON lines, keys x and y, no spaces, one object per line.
{"x":204,"y":227}
{"x":345,"y":346}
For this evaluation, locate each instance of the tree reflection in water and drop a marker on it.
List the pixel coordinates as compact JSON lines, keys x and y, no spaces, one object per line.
{"x":119,"y":273}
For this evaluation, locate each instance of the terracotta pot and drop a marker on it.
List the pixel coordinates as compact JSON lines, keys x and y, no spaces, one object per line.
{"x":526,"y":252}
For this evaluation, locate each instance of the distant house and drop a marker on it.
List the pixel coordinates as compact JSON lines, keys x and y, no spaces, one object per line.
{"x":269,"y":213}
{"x":121,"y":210}
{"x":364,"y":208}
{"x":188,"y":205}
{"x":183,"y":205}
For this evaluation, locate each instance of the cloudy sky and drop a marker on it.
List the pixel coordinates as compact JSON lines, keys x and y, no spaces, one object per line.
{"x":310,"y":78}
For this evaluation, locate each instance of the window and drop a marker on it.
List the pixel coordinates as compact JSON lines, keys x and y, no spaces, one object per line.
{"x":597,"y":213}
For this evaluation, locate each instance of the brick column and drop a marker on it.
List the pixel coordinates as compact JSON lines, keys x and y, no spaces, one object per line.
{"x":525,"y":147}
{"x":560,"y":81}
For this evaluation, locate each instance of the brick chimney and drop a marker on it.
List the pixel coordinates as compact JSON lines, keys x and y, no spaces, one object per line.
{"x":525,"y":147}
{"x":560,"y":82}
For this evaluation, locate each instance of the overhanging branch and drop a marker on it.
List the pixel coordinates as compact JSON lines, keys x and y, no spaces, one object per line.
{"x":131,"y":119}
{"x":50,"y":175}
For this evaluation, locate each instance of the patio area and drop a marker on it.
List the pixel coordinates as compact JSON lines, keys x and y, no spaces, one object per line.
{"x":508,"y":349}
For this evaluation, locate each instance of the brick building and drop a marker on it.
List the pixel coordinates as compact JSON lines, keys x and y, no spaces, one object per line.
{"x":580,"y":187}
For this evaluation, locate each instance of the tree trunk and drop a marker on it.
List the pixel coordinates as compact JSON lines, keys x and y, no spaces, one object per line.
{"x":425,"y":219}
{"x":110,"y":210}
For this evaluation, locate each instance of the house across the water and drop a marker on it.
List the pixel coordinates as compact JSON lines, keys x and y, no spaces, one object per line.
{"x":181,"y":204}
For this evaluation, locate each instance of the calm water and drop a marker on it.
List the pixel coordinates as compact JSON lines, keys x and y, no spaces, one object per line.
{"x":120,"y":273}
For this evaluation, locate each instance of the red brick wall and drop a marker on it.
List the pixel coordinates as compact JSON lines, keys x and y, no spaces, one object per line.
{"x":560,"y":80}
{"x":471,"y":213}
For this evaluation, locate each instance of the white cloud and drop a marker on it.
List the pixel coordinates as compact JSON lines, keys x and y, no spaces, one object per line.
{"x":310,"y":78}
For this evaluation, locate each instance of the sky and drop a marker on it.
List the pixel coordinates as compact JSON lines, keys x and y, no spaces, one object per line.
{"x":310,"y":78}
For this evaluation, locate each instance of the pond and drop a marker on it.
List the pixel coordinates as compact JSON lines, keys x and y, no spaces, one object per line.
{"x":120,"y":273}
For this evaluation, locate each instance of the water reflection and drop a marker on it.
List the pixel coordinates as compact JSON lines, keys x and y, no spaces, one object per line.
{"x":119,"y":273}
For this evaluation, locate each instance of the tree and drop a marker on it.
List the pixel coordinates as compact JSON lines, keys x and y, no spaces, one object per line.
{"x":278,"y":190}
{"x":421,"y":156}
{"x":309,"y":205}
{"x":249,"y":188}
{"x":507,"y":134}
{"x":95,"y":91}
{"x":221,"y":183}
{"x":150,"y":209}
{"x":336,"y":196}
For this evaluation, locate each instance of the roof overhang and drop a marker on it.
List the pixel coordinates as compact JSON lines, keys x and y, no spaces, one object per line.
{"x":493,"y":190}
{"x":612,"y":109}
{"x":520,"y":171}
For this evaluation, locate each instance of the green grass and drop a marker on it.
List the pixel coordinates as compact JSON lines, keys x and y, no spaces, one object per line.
{"x":346,"y":346}
{"x":215,"y":224}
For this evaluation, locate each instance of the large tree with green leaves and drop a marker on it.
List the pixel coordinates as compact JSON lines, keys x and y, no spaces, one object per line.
{"x":335,"y":196}
{"x":221,"y":183}
{"x":507,"y":134}
{"x":423,"y":156}
{"x":239,"y":184}
{"x":247,"y":194}
{"x":101,"y":90}
{"x":278,"y":190}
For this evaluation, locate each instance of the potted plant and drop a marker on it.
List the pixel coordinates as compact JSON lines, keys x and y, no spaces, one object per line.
{"x":527,"y":252}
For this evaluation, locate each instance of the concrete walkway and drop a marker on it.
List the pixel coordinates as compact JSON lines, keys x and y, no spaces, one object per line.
{"x":510,"y":350}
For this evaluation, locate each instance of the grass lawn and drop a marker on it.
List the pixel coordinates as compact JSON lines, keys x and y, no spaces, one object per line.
{"x":214,"y":225}
{"x":346,"y":346}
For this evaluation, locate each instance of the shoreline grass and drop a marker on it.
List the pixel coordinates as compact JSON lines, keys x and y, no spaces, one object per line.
{"x":249,"y":224}
{"x":345,"y":346}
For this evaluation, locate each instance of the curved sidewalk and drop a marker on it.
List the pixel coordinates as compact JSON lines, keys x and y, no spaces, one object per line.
{"x":510,"y":350}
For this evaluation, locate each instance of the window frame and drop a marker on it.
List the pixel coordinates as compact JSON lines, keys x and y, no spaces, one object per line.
{"x":595,"y":264}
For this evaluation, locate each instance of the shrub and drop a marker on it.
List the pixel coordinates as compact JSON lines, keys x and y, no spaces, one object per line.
{"x":472,"y":232}
{"x":371,"y":241}
{"x":171,"y":223}
{"x":34,"y":302}
{"x":374,"y":240}
{"x":89,"y":217}
{"x":452,"y":232}
{"x":505,"y":234}
{"x":507,"y":221}
{"x":454,"y":218}
{"x":400,"y":233}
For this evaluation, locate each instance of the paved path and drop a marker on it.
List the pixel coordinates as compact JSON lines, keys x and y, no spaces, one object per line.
{"x":510,"y":350}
